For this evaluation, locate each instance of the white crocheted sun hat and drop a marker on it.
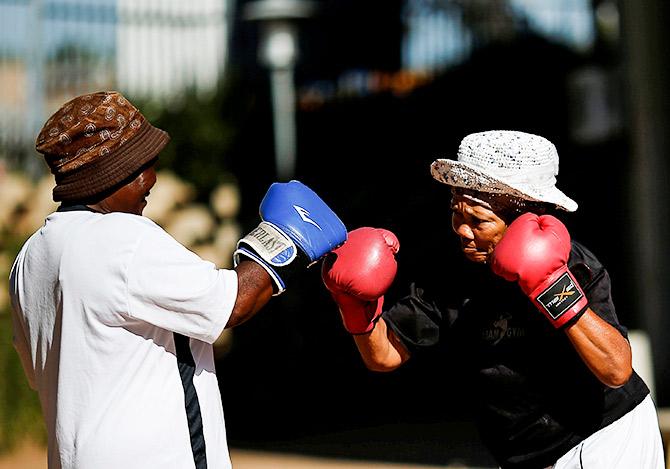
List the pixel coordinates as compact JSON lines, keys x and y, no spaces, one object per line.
{"x":506,"y":162}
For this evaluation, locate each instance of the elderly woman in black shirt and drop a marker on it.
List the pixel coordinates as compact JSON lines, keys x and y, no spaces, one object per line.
{"x":532,"y":312}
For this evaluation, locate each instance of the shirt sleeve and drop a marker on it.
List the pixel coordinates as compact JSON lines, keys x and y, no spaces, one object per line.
{"x":19,"y":333}
{"x":173,"y":288}
{"x":417,"y":320}
{"x":596,"y":284}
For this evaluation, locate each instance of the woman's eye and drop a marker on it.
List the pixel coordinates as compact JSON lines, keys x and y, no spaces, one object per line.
{"x":480,"y":221}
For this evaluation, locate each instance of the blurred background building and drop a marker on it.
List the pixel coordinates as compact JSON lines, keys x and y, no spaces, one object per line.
{"x":51,"y":51}
{"x":360,"y":96}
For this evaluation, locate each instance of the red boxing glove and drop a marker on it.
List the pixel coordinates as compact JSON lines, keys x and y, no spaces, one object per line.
{"x":358,"y":273}
{"x":534,"y":252}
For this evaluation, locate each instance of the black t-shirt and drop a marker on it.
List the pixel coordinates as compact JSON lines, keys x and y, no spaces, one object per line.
{"x":535,"y":397}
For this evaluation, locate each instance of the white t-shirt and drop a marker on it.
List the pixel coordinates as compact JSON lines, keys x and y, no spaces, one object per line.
{"x":96,"y":300}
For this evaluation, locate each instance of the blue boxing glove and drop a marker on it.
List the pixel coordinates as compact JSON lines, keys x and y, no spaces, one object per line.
{"x":297,"y":229}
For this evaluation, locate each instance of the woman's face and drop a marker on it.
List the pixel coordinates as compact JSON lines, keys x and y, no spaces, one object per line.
{"x":478,"y":228}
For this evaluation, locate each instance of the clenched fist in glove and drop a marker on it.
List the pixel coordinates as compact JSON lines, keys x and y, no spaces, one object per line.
{"x":358,"y":273}
{"x":534,"y":252}
{"x":297,"y":229}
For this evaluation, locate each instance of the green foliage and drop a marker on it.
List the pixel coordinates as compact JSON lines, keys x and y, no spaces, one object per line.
{"x":20,"y":413}
{"x":202,"y":129}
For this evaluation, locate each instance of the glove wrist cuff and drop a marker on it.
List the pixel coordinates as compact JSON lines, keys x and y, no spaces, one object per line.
{"x":271,"y":244}
{"x":361,"y":320}
{"x":272,"y":249}
{"x":560,"y":298}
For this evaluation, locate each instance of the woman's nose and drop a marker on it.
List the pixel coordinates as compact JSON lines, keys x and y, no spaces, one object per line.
{"x":464,"y":231}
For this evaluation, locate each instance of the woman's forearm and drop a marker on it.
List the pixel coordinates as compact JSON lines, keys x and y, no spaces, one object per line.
{"x":380,"y":349}
{"x":602,"y":348}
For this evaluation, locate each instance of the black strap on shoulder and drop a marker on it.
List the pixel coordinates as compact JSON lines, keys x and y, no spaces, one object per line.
{"x":186,"y":371}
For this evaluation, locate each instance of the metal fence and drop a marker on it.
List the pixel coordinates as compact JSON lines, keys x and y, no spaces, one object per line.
{"x":52,"y":50}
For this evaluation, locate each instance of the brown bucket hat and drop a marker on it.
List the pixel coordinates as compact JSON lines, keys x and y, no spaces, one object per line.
{"x":96,"y":141}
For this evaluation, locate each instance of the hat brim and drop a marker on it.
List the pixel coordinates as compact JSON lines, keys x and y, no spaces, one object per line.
{"x":460,"y":174}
